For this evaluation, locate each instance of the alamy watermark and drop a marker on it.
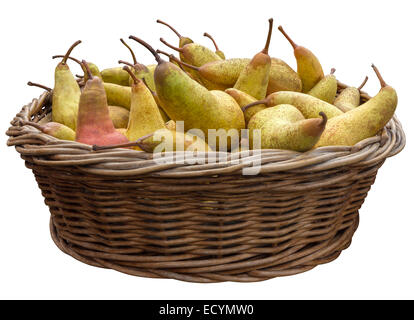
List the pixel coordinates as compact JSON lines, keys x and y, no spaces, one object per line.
{"x":228,"y":143}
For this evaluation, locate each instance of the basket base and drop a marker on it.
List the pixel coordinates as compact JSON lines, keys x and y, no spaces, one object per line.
{"x":328,"y":251}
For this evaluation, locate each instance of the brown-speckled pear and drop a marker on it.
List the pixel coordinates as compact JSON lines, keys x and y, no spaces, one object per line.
{"x":145,"y":117}
{"x":218,"y":51}
{"x":326,"y":88}
{"x":54,"y":129}
{"x":362,"y":122}
{"x":184,"y":99}
{"x":243,"y":99}
{"x":254,"y":78}
{"x":94,"y":123}
{"x":349,"y":98}
{"x":308,"y":105}
{"x":115,"y":75}
{"x":284,"y":127}
{"x":119,"y":116}
{"x":226,"y":72}
{"x":308,"y":65}
{"x":66,"y":93}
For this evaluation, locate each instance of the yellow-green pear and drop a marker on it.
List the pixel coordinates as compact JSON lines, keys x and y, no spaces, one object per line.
{"x":254,"y":78}
{"x":362,"y":122}
{"x":284,"y":127}
{"x":243,"y":99}
{"x":308,"y":65}
{"x":308,"y":105}
{"x":349,"y":98}
{"x":326,"y":88}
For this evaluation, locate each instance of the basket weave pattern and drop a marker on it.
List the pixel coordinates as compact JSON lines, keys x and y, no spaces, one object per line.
{"x":119,"y":209}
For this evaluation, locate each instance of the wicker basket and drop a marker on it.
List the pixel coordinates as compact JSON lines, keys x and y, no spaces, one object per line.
{"x":119,"y":209}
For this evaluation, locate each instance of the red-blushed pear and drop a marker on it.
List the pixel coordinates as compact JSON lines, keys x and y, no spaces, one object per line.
{"x":94,"y":122}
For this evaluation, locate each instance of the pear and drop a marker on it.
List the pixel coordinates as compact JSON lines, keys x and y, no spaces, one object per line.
{"x":171,"y":125}
{"x":54,"y":129}
{"x":115,"y":75}
{"x":226,"y":72}
{"x":308,"y":105}
{"x":350,"y":97}
{"x":182,"y":40}
{"x":118,"y":95}
{"x":184,"y":99}
{"x":243,"y":99}
{"x":93,"y":67}
{"x":94,"y":123}
{"x":326,"y":88}
{"x":309,"y":67}
{"x":66,"y":93}
{"x":284,"y":127}
{"x":119,"y":116}
{"x":145,"y":117}
{"x":218,"y":51}
{"x":362,"y":122}
{"x":254,"y":78}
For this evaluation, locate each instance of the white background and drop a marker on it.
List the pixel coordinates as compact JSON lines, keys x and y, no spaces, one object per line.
{"x":348,"y":35}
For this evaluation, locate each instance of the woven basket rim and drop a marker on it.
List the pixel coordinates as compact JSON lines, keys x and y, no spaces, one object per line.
{"x":49,"y":151}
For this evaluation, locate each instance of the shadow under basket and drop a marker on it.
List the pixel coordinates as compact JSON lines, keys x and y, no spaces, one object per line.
{"x":122,"y":210}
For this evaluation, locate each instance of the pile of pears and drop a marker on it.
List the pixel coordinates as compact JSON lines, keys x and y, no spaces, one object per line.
{"x":126,"y":105}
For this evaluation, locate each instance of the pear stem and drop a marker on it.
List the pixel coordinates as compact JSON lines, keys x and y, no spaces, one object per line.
{"x":212,"y":39}
{"x":333,"y":70}
{"x":363,"y":83}
{"x":254,"y":104}
{"x":66,"y":56}
{"x":181,"y":63}
{"x":70,"y":58}
{"x":170,"y":45}
{"x":88,"y":71}
{"x":151,"y":49}
{"x":172,"y":29}
{"x":123,"y":145}
{"x":381,"y":79}
{"x":33,"y":84}
{"x":136,"y":81}
{"x":269,"y":37}
{"x":130,"y":50}
{"x":294,"y":45}
{"x":125,"y":62}
{"x":324,"y":119}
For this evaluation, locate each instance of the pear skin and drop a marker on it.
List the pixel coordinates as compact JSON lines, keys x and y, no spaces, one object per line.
{"x":362,"y":122}
{"x":119,"y":116}
{"x":66,"y":94}
{"x":145,"y":117}
{"x":308,"y":105}
{"x":254,"y":78}
{"x":349,"y":98}
{"x":283,"y":78}
{"x":326,"y":89}
{"x":184,"y":99}
{"x":94,"y":123}
{"x":278,"y":131}
{"x":243,"y":99}
{"x":54,"y":129}
{"x":308,"y":65}
{"x":118,"y":95}
{"x":115,"y":75}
